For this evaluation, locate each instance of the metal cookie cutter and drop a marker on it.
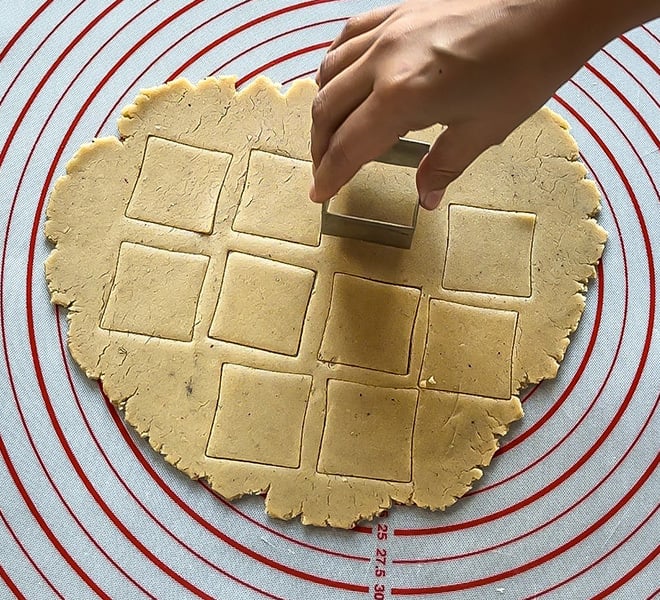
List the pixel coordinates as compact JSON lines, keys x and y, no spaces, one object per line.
{"x":405,"y":153}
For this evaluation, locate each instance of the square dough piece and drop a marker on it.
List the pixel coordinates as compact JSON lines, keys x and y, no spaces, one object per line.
{"x":368,"y":431}
{"x":260,"y":416}
{"x":178,"y":185}
{"x":379,"y":192}
{"x":155,"y":292}
{"x":262,"y":304}
{"x":469,"y":349}
{"x":489,"y":251}
{"x":370,"y":324}
{"x":274,"y":203}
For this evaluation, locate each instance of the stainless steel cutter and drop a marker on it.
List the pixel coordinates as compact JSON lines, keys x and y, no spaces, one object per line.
{"x":405,"y":153}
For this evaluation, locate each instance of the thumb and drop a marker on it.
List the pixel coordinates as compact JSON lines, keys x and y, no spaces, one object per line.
{"x":450,"y":155}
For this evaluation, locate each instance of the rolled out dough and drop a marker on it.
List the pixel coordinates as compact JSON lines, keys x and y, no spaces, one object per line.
{"x":337,"y":376}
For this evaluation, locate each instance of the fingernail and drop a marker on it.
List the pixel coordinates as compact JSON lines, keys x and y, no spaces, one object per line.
{"x":432,"y":199}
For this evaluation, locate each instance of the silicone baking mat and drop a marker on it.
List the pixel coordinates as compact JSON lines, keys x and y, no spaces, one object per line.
{"x":568,"y":508}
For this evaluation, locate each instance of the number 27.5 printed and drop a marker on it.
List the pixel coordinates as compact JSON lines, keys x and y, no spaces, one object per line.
{"x":380,"y":562}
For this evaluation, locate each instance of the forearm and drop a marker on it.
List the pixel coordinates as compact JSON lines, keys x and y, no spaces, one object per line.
{"x":556,"y":37}
{"x":611,"y":18}
{"x":597,"y":22}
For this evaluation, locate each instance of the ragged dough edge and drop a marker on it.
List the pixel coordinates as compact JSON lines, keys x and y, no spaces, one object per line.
{"x":62,"y":293}
{"x":63,"y":279}
{"x":591,"y":236}
{"x":177,"y":89}
{"x":493,"y":424}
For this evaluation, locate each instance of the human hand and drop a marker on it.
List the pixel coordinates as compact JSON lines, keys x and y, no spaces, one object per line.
{"x":480,"y":67}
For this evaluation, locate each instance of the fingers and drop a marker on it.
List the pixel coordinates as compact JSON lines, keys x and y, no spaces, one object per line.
{"x":361,"y":138}
{"x":449,"y":156}
{"x":360,"y":24}
{"x":334,"y":103}
{"x":339,"y":59}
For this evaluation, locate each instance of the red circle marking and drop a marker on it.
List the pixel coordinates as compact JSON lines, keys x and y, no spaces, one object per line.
{"x":32,"y":18}
{"x":132,"y":493}
{"x":598,"y":560}
{"x":299,"y":76}
{"x":27,"y":555}
{"x":272,"y":39}
{"x":454,"y":587}
{"x":648,"y":472}
{"x":13,"y":588}
{"x":284,"y":58}
{"x":44,"y":391}
{"x":305,"y":545}
{"x":294,"y":55}
{"x":47,"y":530}
{"x":639,"y":53}
{"x":655,"y":37}
{"x":223,"y":38}
{"x":39,"y":46}
{"x":163,"y":53}
{"x":625,"y":136}
{"x":625,"y":101}
{"x":123,"y":429}
{"x":277,"y":61}
{"x":50,"y":71}
{"x":563,"y":513}
{"x":631,"y":75}
{"x":645,"y":562}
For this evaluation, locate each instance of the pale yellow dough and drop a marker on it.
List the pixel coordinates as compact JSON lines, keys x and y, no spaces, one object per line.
{"x":337,"y":376}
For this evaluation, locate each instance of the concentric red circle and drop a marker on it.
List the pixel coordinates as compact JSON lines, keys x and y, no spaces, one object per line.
{"x":570,"y":503}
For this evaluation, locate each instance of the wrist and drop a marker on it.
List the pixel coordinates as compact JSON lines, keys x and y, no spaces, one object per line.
{"x":598,"y":22}
{"x":567,"y":33}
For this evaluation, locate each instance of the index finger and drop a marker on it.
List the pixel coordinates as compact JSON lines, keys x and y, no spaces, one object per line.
{"x":361,"y":24}
{"x":363,"y":136}
{"x":335,"y":103}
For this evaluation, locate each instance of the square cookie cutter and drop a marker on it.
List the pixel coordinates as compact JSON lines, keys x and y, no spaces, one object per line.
{"x":405,"y":153}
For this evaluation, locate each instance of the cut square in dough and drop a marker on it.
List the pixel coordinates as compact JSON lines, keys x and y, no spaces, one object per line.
{"x":370,"y":324}
{"x":489,"y":251}
{"x":379,"y":192}
{"x":178,"y":185}
{"x":469,"y":349}
{"x":368,"y":431}
{"x":265,"y":210}
{"x":155,"y":292}
{"x":260,"y":416}
{"x":262,"y":303}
